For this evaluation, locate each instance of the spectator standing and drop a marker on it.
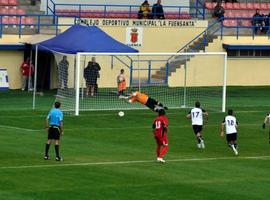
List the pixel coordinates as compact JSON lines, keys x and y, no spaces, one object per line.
{"x":121,"y":82}
{"x":219,"y":11}
{"x":91,"y":74}
{"x":144,"y":12}
{"x":27,"y":72}
{"x":256,"y":21}
{"x":157,"y":11}
{"x":63,"y":73}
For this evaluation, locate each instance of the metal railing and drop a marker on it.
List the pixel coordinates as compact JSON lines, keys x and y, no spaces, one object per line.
{"x":19,"y":23}
{"x":79,"y":10}
{"x":240,"y":26}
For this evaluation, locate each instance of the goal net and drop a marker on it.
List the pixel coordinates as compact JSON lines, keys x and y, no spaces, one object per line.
{"x":177,"y":80}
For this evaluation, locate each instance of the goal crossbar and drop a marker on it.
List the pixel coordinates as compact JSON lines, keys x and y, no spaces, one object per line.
{"x":78,"y":72}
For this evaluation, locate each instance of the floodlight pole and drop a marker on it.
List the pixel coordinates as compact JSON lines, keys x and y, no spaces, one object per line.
{"x":77,"y":84}
{"x":224,"y":84}
{"x":30,"y":73}
{"x":35,"y":78}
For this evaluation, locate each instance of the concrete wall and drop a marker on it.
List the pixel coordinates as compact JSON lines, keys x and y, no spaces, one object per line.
{"x":12,"y":60}
{"x":208,"y":70}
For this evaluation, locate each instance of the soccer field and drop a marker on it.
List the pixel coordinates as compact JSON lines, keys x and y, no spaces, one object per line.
{"x":108,"y":157}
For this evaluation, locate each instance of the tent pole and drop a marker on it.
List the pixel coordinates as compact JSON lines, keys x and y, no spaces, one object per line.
{"x":35,"y":79}
{"x":77,"y":85}
{"x":30,"y":73}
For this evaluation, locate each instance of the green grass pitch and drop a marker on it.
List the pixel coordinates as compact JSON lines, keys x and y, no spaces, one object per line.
{"x":108,"y":157}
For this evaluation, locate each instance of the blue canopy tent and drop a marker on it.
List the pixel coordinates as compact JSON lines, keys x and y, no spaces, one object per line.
{"x":79,"y":39}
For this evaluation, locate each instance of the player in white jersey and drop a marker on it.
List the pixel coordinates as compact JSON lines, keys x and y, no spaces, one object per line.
{"x":196,"y":115}
{"x":231,"y":124}
{"x":266,"y":120}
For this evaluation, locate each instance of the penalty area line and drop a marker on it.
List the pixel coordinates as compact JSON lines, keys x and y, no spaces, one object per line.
{"x":136,"y":162}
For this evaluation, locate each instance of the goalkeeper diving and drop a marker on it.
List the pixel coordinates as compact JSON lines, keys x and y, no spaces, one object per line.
{"x":144,"y":99}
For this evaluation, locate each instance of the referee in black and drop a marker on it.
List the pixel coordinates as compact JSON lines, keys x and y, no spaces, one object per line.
{"x":54,"y":127}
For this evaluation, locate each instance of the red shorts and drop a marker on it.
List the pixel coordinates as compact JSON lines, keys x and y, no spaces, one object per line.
{"x":161,"y":140}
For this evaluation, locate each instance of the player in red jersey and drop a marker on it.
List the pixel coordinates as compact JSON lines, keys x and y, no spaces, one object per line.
{"x":160,"y":129}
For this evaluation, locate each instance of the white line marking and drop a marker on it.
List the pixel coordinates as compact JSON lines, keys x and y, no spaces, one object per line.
{"x":116,"y":114}
{"x":20,"y":129}
{"x":113,"y":128}
{"x":136,"y":162}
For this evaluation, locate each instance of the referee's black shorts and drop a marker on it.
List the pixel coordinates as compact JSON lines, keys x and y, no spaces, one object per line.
{"x":231,"y":137}
{"x":151,"y":103}
{"x":54,"y":133}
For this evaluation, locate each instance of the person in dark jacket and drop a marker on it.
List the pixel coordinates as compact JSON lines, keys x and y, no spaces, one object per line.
{"x":91,"y":74}
{"x":219,"y":11}
{"x":157,"y":11}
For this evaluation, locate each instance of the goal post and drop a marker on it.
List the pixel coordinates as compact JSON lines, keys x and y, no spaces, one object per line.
{"x":175,"y":79}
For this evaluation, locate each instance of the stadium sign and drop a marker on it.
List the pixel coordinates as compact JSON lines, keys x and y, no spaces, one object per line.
{"x":140,"y":23}
{"x":134,"y":36}
{"x":3,"y":79}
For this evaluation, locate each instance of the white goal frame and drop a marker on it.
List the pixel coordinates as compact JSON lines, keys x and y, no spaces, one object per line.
{"x":79,"y":54}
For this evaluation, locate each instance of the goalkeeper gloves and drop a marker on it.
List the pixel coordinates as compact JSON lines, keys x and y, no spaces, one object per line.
{"x":263,"y":126}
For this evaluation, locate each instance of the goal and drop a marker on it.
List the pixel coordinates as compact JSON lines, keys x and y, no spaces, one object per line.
{"x":175,"y":79}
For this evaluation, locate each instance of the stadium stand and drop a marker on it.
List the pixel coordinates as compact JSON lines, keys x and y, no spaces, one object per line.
{"x":116,"y":14}
{"x":240,"y":10}
{"x":12,"y":14}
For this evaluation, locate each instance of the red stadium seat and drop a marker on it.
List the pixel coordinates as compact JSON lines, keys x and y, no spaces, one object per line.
{"x":20,"y":12}
{"x":209,"y":5}
{"x":172,"y":15}
{"x":12,"y":11}
{"x":4,"y":11}
{"x":228,"y":6}
{"x":29,"y":21}
{"x":111,"y":14}
{"x":246,"y":14}
{"x":243,"y":6}
{"x":134,"y":15}
{"x":264,"y":6}
{"x":122,"y":14}
{"x":4,"y":2}
{"x":230,"y":22}
{"x":238,"y":14}
{"x":97,"y":14}
{"x":250,"y":6}
{"x":268,"y":6}
{"x":13,"y":21}
{"x":185,"y":15}
{"x":229,"y":14}
{"x":5,"y":21}
{"x":12,"y":2}
{"x":246,"y":23}
{"x":257,"y":5}
{"x":236,"y":6}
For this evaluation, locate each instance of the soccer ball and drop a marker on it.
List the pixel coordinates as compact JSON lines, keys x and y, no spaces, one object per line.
{"x":121,"y":114}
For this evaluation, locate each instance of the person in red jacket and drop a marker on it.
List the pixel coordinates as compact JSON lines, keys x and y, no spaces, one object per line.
{"x":27,"y":72}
